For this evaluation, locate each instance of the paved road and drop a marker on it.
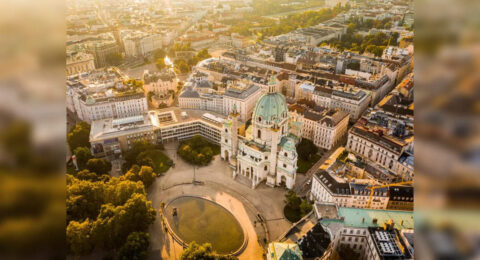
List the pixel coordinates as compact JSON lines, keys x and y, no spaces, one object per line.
{"x":302,"y":188}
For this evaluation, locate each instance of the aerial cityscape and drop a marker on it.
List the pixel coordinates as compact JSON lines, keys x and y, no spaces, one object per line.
{"x":240,"y":129}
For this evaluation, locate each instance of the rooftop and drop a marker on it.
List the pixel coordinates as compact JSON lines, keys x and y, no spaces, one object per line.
{"x":155,"y":119}
{"x":241,"y":92}
{"x":363,"y":218}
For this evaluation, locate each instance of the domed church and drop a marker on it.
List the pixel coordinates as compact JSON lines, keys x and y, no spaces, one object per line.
{"x":263,"y":150}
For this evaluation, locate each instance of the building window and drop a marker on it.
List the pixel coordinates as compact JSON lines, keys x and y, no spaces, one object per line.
{"x":284,"y":166}
{"x":265,"y":168}
{"x":285,"y":154}
{"x":259,"y":134}
{"x":226,"y":130}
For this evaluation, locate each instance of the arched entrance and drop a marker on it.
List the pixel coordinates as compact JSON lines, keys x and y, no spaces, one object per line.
{"x":283,"y":181}
{"x":226,"y":156}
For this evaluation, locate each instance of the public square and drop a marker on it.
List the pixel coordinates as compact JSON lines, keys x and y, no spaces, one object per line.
{"x":216,"y":183}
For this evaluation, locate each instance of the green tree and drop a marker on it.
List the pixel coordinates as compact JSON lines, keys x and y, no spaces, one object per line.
{"x":114,"y":224}
{"x":195,"y":251}
{"x":306,"y":149}
{"x":78,"y":236}
{"x":292,"y":200}
{"x":136,"y":247}
{"x":87,"y":175}
{"x":203,"y":54}
{"x":305,"y":207}
{"x":118,"y":190}
{"x":145,"y":175}
{"x":79,"y":136}
{"x":84,"y":198}
{"x":197,"y":150}
{"x":182,"y":65}
{"x":131,"y":155}
{"x":160,"y":63}
{"x":150,"y":94}
{"x":114,"y":59}
{"x":83,"y":154}
{"x":134,"y":83}
{"x":99,"y":166}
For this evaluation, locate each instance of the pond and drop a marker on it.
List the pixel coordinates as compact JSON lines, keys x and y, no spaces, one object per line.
{"x":205,"y":221}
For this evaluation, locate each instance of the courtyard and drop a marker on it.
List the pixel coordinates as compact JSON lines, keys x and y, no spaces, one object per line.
{"x":214,"y":182}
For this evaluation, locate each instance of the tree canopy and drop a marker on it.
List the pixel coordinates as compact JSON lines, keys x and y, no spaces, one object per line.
{"x":99,"y":166}
{"x":306,"y":149}
{"x":197,"y":150}
{"x":140,"y":151}
{"x":136,"y":247}
{"x":372,"y":43}
{"x":108,"y":212}
{"x":79,"y":136}
{"x":82,"y":154}
{"x":195,"y":251}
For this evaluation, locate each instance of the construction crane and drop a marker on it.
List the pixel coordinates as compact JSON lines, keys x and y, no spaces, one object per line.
{"x":384,"y":186}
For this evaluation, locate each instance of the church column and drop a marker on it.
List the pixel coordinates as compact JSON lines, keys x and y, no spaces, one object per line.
{"x":273,"y":156}
{"x":234,"y":133}
{"x":253,"y":180}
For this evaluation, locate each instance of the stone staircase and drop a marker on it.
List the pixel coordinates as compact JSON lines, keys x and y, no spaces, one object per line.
{"x":243,"y":180}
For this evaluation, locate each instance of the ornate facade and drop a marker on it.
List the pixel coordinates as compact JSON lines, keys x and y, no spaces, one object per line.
{"x":263,"y":150}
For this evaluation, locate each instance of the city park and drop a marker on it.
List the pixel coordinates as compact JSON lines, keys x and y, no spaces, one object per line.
{"x":196,"y":202}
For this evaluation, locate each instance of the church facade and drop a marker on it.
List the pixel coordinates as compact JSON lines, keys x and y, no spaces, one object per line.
{"x":263,"y":150}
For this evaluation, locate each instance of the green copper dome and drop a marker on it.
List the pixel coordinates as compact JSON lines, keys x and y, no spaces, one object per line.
{"x":269,"y":107}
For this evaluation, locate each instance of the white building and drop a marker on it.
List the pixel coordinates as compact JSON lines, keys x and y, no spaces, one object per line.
{"x":243,"y":97}
{"x":142,"y":44}
{"x":202,"y":101}
{"x":78,"y":63}
{"x":110,"y":137}
{"x":95,"y":102}
{"x":327,"y":188}
{"x":375,"y":146}
{"x":325,"y":127}
{"x":264,"y":151}
{"x":159,"y":82}
{"x":353,"y":101}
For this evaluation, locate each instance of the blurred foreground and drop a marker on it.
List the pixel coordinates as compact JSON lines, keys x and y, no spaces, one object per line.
{"x":32,"y":130}
{"x":447,"y":156}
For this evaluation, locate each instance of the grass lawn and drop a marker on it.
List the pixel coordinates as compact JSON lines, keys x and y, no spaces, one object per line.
{"x":161,"y":161}
{"x":304,"y":166}
{"x":291,"y":214}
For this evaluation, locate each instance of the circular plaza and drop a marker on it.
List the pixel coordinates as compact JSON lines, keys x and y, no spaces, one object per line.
{"x":258,"y":212}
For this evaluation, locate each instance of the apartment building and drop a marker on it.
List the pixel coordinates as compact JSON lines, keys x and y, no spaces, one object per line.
{"x":323,"y":126}
{"x":375,"y":145}
{"x":244,"y":97}
{"x":352,"y":101}
{"x":327,"y":188}
{"x":79,"y":63}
